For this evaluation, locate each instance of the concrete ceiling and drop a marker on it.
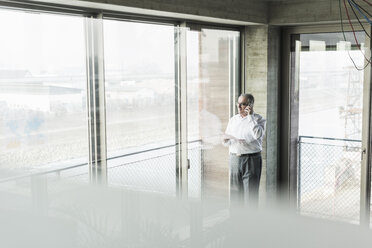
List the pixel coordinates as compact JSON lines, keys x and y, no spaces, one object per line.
{"x":291,"y":1}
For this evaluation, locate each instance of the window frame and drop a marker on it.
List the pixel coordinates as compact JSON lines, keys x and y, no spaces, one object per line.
{"x":96,"y":87}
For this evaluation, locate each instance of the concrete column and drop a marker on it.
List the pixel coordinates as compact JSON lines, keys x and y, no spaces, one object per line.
{"x":272,"y":125}
{"x":262,"y":53}
{"x":297,"y":12}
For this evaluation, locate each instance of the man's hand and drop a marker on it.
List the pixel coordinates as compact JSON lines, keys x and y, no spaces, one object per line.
{"x":227,"y":139}
{"x":248,"y":110}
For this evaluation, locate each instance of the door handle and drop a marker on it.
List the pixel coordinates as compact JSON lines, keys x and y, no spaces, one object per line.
{"x":362,"y":153}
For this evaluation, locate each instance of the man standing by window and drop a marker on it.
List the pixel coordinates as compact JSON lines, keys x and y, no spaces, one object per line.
{"x":244,"y":135}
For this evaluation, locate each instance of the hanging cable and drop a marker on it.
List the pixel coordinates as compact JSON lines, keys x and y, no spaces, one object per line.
{"x":365,"y":17}
{"x":360,"y":7}
{"x":367,"y":2}
{"x":351,"y":25}
{"x":356,"y":16}
{"x":355,"y":38}
{"x":343,"y":33}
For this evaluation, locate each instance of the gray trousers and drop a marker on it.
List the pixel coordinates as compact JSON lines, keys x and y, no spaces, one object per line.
{"x":245,"y":174}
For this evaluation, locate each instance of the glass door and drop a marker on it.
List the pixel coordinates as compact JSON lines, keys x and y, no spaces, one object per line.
{"x":212,"y":76}
{"x":153,"y":141}
{"x":329,"y":109}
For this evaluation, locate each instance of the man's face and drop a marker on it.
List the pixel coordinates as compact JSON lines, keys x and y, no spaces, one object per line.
{"x":241,"y":105}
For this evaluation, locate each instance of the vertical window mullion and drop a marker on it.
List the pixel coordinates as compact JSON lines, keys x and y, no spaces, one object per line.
{"x":365,"y":184}
{"x":181,"y":112}
{"x":96,"y":100}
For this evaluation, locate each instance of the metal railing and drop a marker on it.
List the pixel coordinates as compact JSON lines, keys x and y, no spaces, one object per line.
{"x":328,"y":180}
{"x":148,"y":169}
{"x":155,"y":169}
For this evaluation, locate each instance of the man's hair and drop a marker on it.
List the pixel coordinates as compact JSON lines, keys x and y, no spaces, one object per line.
{"x":249,"y":98}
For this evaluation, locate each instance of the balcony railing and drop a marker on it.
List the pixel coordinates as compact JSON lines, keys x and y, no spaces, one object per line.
{"x":147,"y":170}
{"x":329,"y":177}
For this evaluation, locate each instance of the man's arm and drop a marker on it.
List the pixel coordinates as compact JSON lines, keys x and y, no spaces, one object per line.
{"x":257,"y":131}
{"x":259,"y":127}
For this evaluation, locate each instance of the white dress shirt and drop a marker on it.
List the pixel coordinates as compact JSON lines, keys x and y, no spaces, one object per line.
{"x":248,"y":131}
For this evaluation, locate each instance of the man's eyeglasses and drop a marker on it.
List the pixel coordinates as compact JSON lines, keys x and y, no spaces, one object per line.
{"x":242,"y":104}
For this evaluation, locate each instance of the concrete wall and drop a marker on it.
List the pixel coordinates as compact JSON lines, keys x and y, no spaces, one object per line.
{"x":247,"y":12}
{"x":308,"y":12}
{"x":262,"y":44}
{"x":272,"y":118}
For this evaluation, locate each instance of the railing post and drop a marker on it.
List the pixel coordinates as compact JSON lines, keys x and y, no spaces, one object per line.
{"x":299,"y":175}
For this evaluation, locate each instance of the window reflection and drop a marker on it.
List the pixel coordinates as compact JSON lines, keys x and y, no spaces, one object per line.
{"x":140,"y":100}
{"x":42,"y":90}
{"x":211,"y":65}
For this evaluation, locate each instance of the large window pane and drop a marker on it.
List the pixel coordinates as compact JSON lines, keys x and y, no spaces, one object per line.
{"x":140,"y":100}
{"x":43,"y":119}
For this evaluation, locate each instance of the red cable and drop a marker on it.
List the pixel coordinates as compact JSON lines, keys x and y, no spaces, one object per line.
{"x":351,"y":25}
{"x":352,"y":28}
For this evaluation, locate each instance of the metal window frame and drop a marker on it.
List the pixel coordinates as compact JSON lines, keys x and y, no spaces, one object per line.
{"x":288,"y":147}
{"x":96,"y":99}
{"x":242,"y":74}
{"x":237,"y":78}
{"x":181,"y":110}
{"x":95,"y":79}
{"x":51,"y":8}
{"x":96,"y":85}
{"x":182,"y":161}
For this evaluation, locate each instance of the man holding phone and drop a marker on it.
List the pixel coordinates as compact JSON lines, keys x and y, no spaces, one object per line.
{"x":244,"y":135}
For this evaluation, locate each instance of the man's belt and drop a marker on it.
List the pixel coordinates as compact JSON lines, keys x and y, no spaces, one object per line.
{"x":247,"y":154}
